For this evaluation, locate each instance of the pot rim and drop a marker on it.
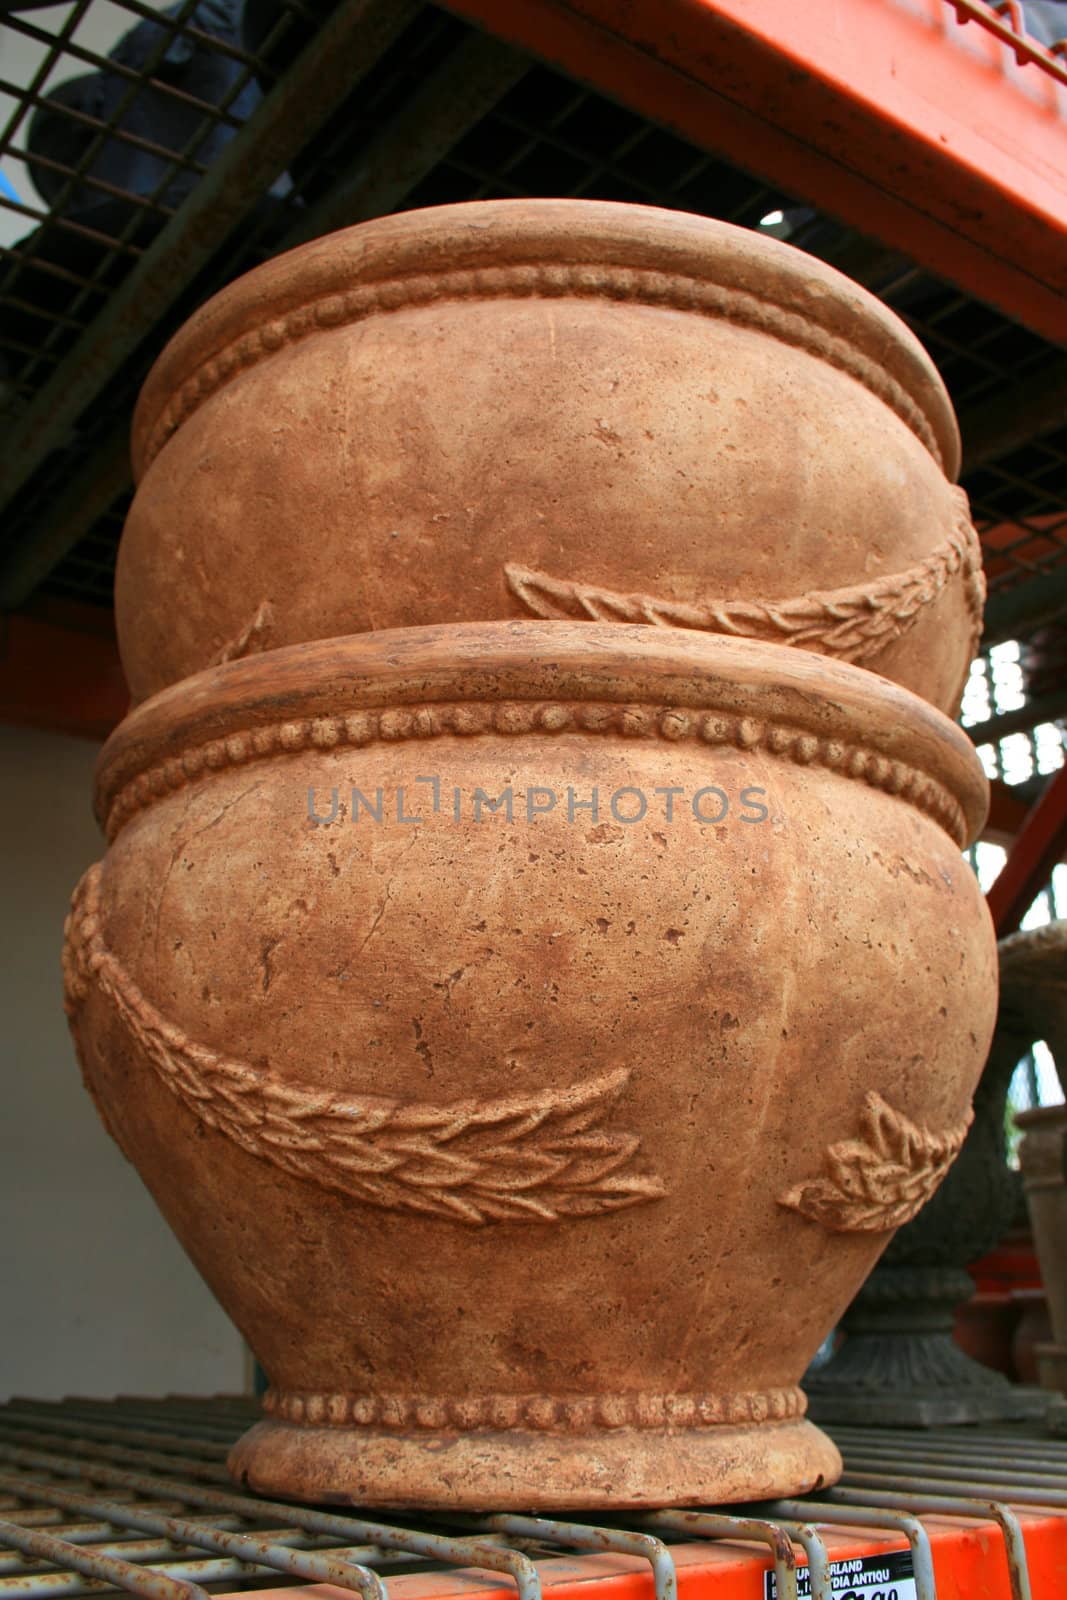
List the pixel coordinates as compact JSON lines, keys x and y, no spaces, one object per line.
{"x":539,"y":249}
{"x":1031,"y":949}
{"x":528,"y":678}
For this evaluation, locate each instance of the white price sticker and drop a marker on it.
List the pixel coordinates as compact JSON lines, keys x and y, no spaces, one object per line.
{"x":890,"y":1576}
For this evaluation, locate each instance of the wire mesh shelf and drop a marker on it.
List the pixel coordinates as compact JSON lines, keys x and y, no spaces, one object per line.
{"x":133,"y":1496}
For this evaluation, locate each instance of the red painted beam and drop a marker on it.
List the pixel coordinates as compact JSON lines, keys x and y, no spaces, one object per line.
{"x":58,"y":675}
{"x":1038,"y":846}
{"x":1007,"y":813}
{"x":892,"y":115}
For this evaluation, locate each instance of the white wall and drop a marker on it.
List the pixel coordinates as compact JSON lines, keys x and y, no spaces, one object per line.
{"x":96,"y":1296}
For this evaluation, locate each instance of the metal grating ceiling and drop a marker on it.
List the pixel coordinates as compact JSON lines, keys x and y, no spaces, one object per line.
{"x":439,"y":114}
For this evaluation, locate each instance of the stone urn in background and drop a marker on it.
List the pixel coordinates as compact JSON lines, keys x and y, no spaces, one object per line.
{"x":562,"y":409}
{"x":899,"y":1362}
{"x":1033,"y":1329}
{"x":1033,"y":966}
{"x":1039,"y":968}
{"x":534,"y":1031}
{"x":1043,"y":1157}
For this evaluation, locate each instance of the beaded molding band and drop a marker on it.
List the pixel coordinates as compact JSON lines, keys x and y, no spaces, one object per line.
{"x":536,"y":1411}
{"x":522,"y":717}
{"x":468,"y":718}
{"x":540,"y":281}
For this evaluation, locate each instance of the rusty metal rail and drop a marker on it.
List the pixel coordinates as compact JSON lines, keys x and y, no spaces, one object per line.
{"x":1006,"y":21}
{"x":102,"y":1496}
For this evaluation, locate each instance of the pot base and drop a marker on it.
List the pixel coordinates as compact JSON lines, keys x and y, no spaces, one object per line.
{"x":521,"y":1470}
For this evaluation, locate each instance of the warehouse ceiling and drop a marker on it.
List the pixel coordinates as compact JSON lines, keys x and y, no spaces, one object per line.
{"x":408,"y":107}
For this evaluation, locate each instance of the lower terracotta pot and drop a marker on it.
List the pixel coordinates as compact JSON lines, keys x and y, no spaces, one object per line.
{"x":534,"y":1033}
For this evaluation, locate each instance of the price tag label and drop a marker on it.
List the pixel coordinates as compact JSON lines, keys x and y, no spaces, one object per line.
{"x":889,"y":1576}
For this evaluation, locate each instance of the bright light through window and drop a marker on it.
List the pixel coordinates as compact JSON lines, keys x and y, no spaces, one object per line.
{"x":977,"y":705}
{"x":1049,"y":1092}
{"x":988,"y":860}
{"x":1009,"y":689}
{"x":1049,"y":744}
{"x":997,"y":685}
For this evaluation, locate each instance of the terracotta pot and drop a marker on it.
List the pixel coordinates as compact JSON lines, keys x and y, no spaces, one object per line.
{"x":586,"y":410}
{"x":1043,"y":1159}
{"x":502,"y":1140}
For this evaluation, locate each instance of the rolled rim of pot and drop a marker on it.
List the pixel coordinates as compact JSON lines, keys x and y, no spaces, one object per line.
{"x":523,"y":249}
{"x":622,"y":680}
{"x":1033,"y":954}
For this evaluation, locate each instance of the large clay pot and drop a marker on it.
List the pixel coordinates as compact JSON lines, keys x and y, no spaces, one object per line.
{"x":535,"y":1154}
{"x":555,"y":408}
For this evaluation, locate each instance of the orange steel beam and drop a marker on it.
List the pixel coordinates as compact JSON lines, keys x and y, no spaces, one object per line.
{"x":1038,"y":846}
{"x":927,"y":132}
{"x":969,"y":1562}
{"x":1006,"y":813}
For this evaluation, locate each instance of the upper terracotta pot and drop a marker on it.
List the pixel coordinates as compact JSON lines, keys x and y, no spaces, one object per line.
{"x":550,"y":408}
{"x":534,"y":1032}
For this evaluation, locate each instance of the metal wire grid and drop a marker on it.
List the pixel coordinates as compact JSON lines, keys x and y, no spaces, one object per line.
{"x":46,"y":306}
{"x":544,"y":135}
{"x":134,"y":1495}
{"x":116,"y":236}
